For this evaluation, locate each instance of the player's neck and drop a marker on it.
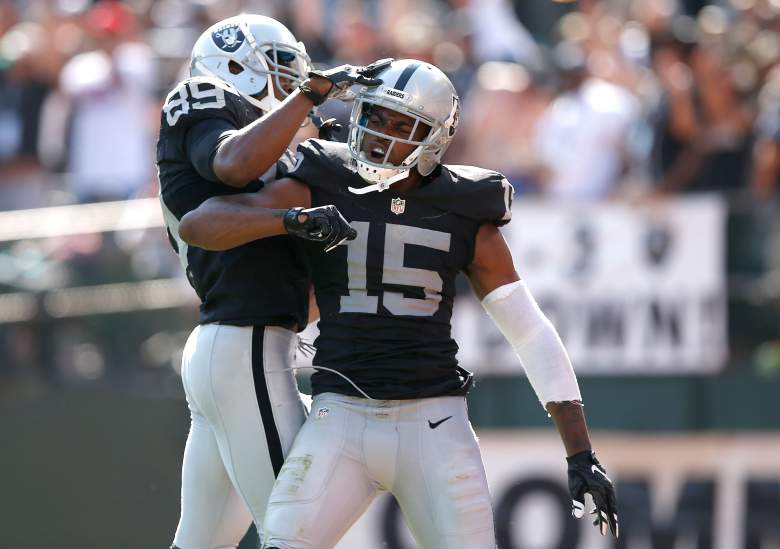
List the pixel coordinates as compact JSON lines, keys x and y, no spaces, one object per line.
{"x":410,"y":183}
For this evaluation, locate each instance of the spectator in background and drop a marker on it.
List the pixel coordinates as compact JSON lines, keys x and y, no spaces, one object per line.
{"x":502,"y":109}
{"x":25,"y":82}
{"x":765,"y":172}
{"x":703,"y":128}
{"x":499,"y":36}
{"x":356,"y":39}
{"x":8,"y":15}
{"x":765,"y":181}
{"x":110,"y":93}
{"x":764,"y":240}
{"x":309,"y":19}
{"x":582,"y":137}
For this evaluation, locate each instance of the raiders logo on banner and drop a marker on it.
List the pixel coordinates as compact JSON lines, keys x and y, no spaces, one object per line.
{"x":228,"y":38}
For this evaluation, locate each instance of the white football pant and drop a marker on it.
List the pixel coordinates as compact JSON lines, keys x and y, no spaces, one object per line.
{"x":245,"y":410}
{"x":424,"y":452}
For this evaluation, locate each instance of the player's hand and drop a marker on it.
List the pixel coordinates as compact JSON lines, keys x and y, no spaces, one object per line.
{"x":322,"y":224}
{"x":344,"y":77}
{"x":586,"y":475}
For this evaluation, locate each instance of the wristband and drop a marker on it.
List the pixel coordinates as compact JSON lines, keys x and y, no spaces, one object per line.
{"x":290,"y":220}
{"x":313,"y":96}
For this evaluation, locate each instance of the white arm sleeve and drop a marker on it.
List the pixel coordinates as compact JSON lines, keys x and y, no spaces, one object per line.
{"x":535,"y":340}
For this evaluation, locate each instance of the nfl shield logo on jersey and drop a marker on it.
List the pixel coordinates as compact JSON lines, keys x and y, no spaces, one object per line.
{"x":397,"y":206}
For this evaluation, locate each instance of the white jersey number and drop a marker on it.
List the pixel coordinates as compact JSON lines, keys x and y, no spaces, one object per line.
{"x":393,"y":271}
{"x":179,"y":101}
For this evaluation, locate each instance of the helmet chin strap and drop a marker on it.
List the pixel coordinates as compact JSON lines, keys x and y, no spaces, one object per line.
{"x":381,"y":185}
{"x":385,"y":184}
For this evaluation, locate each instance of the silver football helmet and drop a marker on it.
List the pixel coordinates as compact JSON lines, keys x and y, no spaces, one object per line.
{"x":420,"y":91}
{"x":249,"y":51}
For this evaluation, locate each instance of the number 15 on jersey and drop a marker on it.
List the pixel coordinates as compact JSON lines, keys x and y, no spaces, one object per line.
{"x":393,"y":271}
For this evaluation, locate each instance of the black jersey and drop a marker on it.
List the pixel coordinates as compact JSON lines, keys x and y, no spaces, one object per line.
{"x":264,"y":282}
{"x":386,"y":297}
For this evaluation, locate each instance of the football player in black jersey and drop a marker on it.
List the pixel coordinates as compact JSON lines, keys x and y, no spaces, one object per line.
{"x":223,"y":131}
{"x":389,"y":410}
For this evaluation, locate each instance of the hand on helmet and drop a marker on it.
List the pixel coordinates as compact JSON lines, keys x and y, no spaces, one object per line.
{"x":342,"y":78}
{"x":323,"y":224}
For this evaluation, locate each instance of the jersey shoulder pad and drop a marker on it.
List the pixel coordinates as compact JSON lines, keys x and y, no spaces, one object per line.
{"x":482,"y":195}
{"x":322,"y":164}
{"x":204,"y":98}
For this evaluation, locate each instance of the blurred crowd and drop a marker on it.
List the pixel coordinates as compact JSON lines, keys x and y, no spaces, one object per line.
{"x":573,"y":101}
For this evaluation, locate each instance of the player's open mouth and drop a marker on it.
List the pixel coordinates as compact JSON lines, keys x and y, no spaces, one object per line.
{"x":377,"y":153}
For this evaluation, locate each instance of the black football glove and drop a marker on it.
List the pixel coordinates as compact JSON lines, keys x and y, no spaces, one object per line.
{"x":344,"y":77}
{"x":323,"y":224}
{"x":586,"y":475}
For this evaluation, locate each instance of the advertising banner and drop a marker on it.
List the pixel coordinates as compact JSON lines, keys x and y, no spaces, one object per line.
{"x":717,"y":491}
{"x":630,"y":289}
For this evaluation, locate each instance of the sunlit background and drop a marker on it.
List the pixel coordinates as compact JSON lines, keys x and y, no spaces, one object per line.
{"x":643,"y":142}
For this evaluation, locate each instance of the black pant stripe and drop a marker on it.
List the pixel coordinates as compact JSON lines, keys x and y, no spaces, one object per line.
{"x":264,"y":401}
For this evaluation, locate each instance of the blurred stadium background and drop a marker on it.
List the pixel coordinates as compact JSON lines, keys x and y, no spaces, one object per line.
{"x":643,"y":141}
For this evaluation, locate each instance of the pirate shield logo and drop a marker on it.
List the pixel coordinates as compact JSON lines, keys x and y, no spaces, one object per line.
{"x":228,"y":38}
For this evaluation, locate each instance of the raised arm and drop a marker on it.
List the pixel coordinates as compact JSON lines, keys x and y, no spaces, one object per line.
{"x":512,"y":307}
{"x":249,"y":152}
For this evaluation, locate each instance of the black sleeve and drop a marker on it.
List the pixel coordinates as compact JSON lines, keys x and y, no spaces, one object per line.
{"x":322,"y":164}
{"x":502,"y":204}
{"x":201,"y":143}
{"x":481,"y":195}
{"x":307,"y":162}
{"x":485,"y":196}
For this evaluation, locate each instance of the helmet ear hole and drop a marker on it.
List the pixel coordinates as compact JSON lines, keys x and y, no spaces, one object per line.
{"x":234,"y":67}
{"x":422,"y":132}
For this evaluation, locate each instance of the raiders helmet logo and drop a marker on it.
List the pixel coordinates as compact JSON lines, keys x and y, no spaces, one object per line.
{"x":396,"y":93}
{"x":228,"y":38}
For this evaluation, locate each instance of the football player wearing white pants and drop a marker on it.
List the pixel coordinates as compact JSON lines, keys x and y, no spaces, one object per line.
{"x":226,"y":130}
{"x":244,"y":419}
{"x":389,"y":412}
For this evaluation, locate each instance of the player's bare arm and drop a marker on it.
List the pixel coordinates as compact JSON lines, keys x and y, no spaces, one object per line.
{"x":493,"y":268}
{"x":516,"y":313}
{"x":251,"y":151}
{"x":224,"y":222}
